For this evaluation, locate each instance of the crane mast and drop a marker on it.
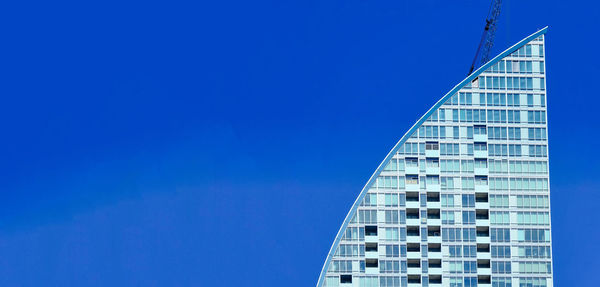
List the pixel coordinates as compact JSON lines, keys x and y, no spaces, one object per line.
{"x":486,"y":43}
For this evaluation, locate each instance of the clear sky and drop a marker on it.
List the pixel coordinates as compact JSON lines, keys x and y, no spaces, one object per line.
{"x":222,"y":143}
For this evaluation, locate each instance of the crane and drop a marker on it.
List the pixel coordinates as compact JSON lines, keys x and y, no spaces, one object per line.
{"x":487,"y":39}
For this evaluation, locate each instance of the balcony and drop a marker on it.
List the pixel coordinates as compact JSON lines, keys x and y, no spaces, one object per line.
{"x":484,"y":271}
{"x":483,"y":240}
{"x":434,"y":255}
{"x":482,"y":205}
{"x":432,"y":170}
{"x":413,"y":238}
{"x":413,"y":255}
{"x":433,"y":188}
{"x":482,"y":188}
{"x":434,"y":239}
{"x":414,"y":270}
{"x":482,"y":222}
{"x":413,"y":221}
{"x":372,"y":238}
{"x":372,"y":270}
{"x":435,"y":271}
{"x":480,"y":138}
{"x":434,"y":204}
{"x":481,"y":171}
{"x":372,"y":254}
{"x":412,"y":187}
{"x":432,"y":153}
{"x":434,"y":222}
{"x":480,"y":153}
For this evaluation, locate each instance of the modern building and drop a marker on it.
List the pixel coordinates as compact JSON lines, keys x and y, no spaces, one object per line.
{"x":463,"y":198}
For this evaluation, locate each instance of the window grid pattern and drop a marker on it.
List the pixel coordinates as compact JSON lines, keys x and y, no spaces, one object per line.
{"x":472,"y":179}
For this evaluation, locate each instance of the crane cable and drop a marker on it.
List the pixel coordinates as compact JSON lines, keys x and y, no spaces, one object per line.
{"x":489,"y":32}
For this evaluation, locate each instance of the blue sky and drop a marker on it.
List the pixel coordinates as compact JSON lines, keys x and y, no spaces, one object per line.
{"x":222,"y":143}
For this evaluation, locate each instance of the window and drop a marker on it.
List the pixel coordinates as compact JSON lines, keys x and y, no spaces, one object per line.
{"x":411,"y":162}
{"x":391,"y":216}
{"x":447,"y":217}
{"x":469,"y":148}
{"x":370,"y":199}
{"x":468,"y":182}
{"x":538,"y":151}
{"x":513,"y":100}
{"x":536,"y":117}
{"x":345,"y":278}
{"x":450,"y":166}
{"x":391,"y":199}
{"x":500,"y":251}
{"x":514,"y":133}
{"x":479,"y":130}
{"x":412,"y":179}
{"x":368,"y":281}
{"x":354,"y":234}
{"x":514,"y":150}
{"x":470,"y":281}
{"x":367,"y":216}
{"x":469,"y":235}
{"x":480,"y":146}
{"x":447,"y":200}
{"x":412,"y":149}
{"x":532,"y":201}
{"x":534,"y":252}
{"x":447,"y":183}
{"x":392,"y":165}
{"x":392,"y":251}
{"x":497,"y":150}
{"x":533,"y":218}
{"x":341,"y":266}
{"x":537,"y":134}
{"x":389,"y":281}
{"x":468,"y":200}
{"x":393,"y":234}
{"x":432,"y":146}
{"x":451,"y":235}
{"x":470,"y":267}
{"x":497,"y":133}
{"x":456,"y":266}
{"x":534,"y":268}
{"x":533,"y":235}
{"x":432,"y":180}
{"x":387,"y":182}
{"x":496,"y":99}
{"x":496,"y":116}
{"x":370,"y":230}
{"x":500,"y":234}
{"x":433,"y":163}
{"x":470,"y":251}
{"x":481,"y":180}
{"x":514,"y":117}
{"x":498,"y":166}
{"x":501,"y":267}
{"x":465,"y":99}
{"x":480,"y":163}
{"x":532,"y":282}
{"x":350,"y":250}
{"x":429,"y":132}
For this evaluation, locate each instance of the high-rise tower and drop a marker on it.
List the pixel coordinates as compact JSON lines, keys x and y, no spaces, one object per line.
{"x":462,"y":200}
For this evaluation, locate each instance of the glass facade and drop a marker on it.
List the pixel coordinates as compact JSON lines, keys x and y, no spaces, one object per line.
{"x":463,"y":198}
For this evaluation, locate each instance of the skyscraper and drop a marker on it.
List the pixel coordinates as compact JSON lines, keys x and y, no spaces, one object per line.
{"x":462,"y":200}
